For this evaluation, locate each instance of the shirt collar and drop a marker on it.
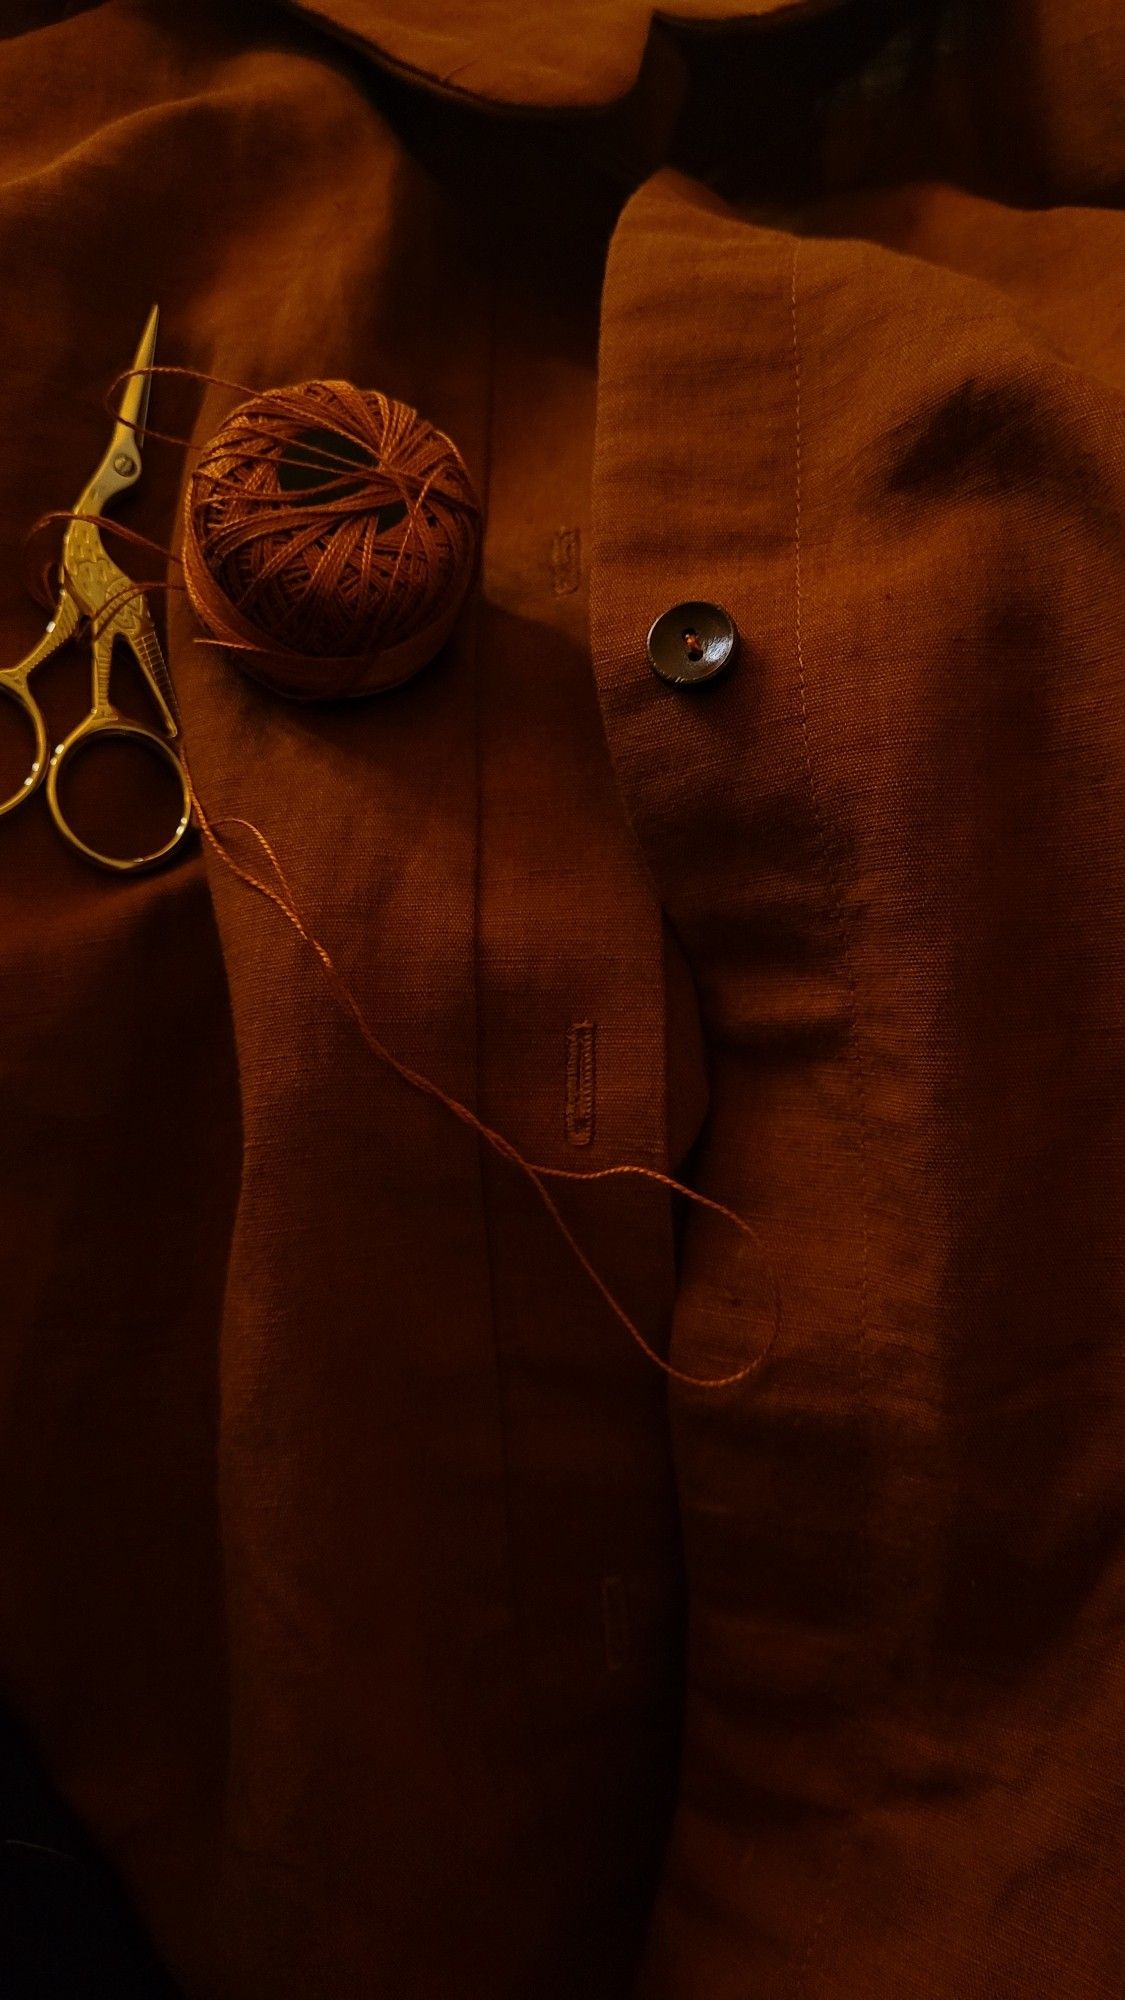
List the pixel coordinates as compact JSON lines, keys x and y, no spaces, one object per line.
{"x":558,"y":55}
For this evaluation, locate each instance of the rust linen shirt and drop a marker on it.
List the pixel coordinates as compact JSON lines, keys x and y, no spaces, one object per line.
{"x":392,"y":1625}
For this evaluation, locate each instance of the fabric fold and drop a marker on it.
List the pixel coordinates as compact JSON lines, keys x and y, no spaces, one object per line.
{"x":889,"y":842}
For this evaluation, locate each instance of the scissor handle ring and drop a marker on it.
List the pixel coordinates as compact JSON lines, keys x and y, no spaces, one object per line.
{"x":88,"y":732}
{"x":17,"y":691}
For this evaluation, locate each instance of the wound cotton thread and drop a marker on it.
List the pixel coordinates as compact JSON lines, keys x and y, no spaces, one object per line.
{"x":330,"y":538}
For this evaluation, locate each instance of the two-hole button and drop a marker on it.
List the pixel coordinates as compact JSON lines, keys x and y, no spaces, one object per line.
{"x":692,"y":643}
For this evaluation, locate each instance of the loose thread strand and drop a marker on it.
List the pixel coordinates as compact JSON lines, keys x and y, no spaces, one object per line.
{"x":40,"y":586}
{"x":168,"y":368}
{"x":284,"y":901}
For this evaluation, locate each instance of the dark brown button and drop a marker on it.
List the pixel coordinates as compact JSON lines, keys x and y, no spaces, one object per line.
{"x":692,"y":643}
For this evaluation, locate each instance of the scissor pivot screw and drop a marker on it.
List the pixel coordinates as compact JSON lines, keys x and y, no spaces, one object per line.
{"x":123,"y":463}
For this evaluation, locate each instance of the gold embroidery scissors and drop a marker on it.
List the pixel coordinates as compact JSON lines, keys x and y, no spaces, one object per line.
{"x":92,"y":587}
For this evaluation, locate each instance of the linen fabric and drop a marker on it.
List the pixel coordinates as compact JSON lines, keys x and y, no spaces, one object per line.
{"x":391,"y":1625}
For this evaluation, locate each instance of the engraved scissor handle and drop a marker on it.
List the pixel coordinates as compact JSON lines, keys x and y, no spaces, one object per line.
{"x":131,"y":622}
{"x":93,"y":588}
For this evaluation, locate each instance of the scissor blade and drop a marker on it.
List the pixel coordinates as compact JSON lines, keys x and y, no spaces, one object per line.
{"x":133,"y":408}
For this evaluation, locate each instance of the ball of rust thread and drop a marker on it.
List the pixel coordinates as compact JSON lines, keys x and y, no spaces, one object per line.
{"x":331,"y":536}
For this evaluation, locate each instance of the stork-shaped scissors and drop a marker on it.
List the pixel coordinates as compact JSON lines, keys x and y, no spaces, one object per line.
{"x":94,"y":589}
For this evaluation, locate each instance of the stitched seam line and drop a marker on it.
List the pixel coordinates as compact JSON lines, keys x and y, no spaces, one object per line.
{"x":513,"y":1575}
{"x":859,"y":1081}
